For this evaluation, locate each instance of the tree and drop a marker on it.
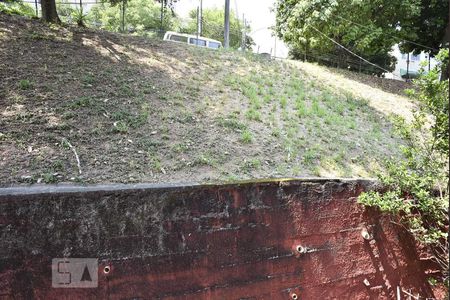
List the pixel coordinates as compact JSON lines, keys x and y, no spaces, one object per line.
{"x":367,"y":28}
{"x":428,"y":28}
{"x":141,"y":16}
{"x":49,"y":13}
{"x":213,"y":27}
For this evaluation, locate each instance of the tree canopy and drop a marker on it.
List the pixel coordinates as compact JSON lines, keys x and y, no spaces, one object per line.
{"x":367,"y":28}
{"x":428,"y":27}
{"x":141,"y":16}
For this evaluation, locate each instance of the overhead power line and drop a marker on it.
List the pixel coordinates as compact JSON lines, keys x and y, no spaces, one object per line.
{"x":349,"y":51}
{"x":396,"y":37}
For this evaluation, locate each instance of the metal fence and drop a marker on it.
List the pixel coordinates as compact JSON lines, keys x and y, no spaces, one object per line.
{"x":73,"y":10}
{"x":81,"y":12}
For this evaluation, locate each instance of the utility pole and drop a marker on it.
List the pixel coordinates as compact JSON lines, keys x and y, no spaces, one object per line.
{"x":198,"y":24}
{"x":226,"y":34}
{"x":161,"y":18}
{"x":123,"y":16}
{"x":244,"y":33}
{"x":201,"y":17}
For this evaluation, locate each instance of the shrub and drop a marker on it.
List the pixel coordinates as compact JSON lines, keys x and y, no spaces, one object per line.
{"x":17,"y":8}
{"x":417,"y":195}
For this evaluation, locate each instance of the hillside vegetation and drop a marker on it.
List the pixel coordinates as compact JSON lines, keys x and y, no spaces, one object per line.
{"x":143,"y":110}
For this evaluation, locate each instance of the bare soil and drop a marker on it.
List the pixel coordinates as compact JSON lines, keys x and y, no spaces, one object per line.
{"x":135,"y":109}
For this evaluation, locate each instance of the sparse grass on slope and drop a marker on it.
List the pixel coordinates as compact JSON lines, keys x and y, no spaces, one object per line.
{"x":140,"y":110}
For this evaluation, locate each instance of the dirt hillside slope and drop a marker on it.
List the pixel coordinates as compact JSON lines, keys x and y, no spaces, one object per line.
{"x":135,"y":109}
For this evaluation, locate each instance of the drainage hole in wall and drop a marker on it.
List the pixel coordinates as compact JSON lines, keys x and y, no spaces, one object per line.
{"x":301,"y":249}
{"x":294,"y":296}
{"x":106,"y":269}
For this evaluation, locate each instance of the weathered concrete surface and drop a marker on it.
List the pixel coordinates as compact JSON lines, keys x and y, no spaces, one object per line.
{"x":236,"y":241}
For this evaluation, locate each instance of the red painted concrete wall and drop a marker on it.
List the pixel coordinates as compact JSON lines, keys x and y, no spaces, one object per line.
{"x":236,"y":241}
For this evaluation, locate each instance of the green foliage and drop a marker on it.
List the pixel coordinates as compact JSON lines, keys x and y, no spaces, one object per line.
{"x":232,"y":123}
{"x":368,"y":28}
{"x":71,"y":14}
{"x":418,"y":185}
{"x":213,"y":27}
{"x":428,"y":27}
{"x":17,"y":8}
{"x":120,"y":127}
{"x":140,"y":16}
{"x":253,"y":114}
{"x":24,"y":84}
{"x":246,"y":136}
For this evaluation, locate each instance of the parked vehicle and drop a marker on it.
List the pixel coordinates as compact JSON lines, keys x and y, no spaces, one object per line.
{"x":192,"y":40}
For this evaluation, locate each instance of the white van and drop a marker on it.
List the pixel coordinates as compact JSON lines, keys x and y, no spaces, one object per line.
{"x":192,"y":40}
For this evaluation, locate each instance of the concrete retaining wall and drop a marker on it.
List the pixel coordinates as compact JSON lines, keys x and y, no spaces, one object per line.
{"x":235,"y":241}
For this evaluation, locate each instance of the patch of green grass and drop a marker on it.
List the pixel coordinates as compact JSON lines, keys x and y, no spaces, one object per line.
{"x":49,"y":177}
{"x":68,"y":115}
{"x":120,"y":127}
{"x":124,"y":117}
{"x":58,"y":165}
{"x":253,"y":114}
{"x":310,"y":156}
{"x":246,"y":136}
{"x":267,"y":98}
{"x":300,"y":106}
{"x":296,"y":170}
{"x":232,"y":80}
{"x":351,"y":124}
{"x":283,"y":102}
{"x":205,"y":159}
{"x":376,"y":133}
{"x":38,"y":36}
{"x":186,"y":118}
{"x":88,"y":79}
{"x":332,"y":119}
{"x":24,"y":84}
{"x":180,"y":148}
{"x":281,"y":169}
{"x":82,"y":102}
{"x":149,"y":145}
{"x":155,"y":163}
{"x":252,"y":164}
{"x":317,"y":109}
{"x":126,"y":91}
{"x":276,"y":132}
{"x":232,"y":123}
{"x":163,"y":97}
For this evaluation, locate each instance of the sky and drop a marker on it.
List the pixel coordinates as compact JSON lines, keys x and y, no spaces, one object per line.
{"x":257,"y":13}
